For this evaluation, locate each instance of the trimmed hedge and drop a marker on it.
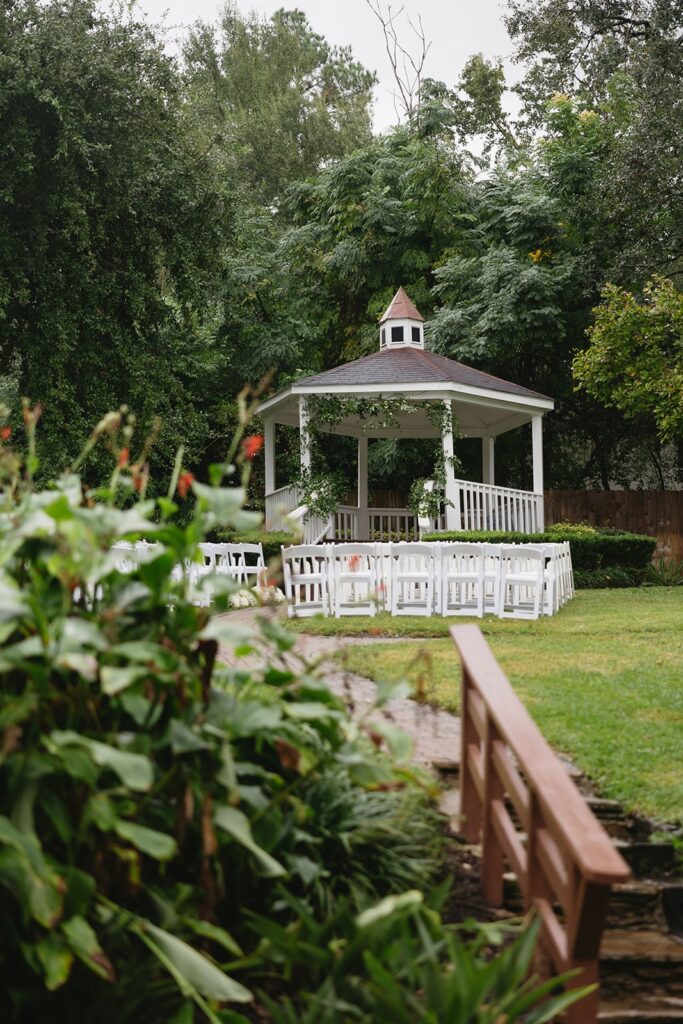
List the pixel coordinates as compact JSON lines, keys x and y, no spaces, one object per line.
{"x":599,"y":579}
{"x":605,"y":555}
{"x":272,"y":541}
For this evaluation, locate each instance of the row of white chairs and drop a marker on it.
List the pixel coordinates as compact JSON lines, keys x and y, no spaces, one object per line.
{"x":510,"y":580}
{"x":244,"y":563}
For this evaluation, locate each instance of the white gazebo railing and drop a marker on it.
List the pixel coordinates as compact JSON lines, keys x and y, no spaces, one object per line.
{"x":476,"y":507}
{"x":387,"y":522}
{"x":313,"y":528}
{"x":346,"y":522}
{"x":486,"y":507}
{"x":279,"y":504}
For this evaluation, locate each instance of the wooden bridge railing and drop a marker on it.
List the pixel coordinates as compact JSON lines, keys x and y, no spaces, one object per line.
{"x":516,"y":798}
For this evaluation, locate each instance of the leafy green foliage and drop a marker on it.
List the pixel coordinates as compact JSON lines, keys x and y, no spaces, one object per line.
{"x":148,"y":794}
{"x":591,"y":549}
{"x":280,"y":97}
{"x":396,"y":963}
{"x":665,"y":573}
{"x":635,"y":357}
{"x":111,"y":222}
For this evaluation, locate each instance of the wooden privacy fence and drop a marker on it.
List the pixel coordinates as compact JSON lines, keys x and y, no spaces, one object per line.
{"x":657,"y":513}
{"x":516,"y":798}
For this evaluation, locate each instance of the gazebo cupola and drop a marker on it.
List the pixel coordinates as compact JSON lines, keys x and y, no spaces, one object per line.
{"x":402,"y":326}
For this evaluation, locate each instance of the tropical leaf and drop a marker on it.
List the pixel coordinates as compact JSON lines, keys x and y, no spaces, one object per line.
{"x":135,"y":770}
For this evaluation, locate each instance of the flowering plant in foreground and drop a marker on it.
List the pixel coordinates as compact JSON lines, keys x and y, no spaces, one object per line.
{"x":170,"y":826}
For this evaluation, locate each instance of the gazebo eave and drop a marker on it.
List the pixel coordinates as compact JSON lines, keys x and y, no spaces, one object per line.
{"x":498,"y":411}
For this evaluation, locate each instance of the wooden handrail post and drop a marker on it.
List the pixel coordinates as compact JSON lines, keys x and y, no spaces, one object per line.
{"x":470,"y":805}
{"x":492,"y":866}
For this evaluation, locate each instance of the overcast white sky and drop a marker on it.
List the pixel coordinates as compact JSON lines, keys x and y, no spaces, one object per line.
{"x":456,"y":28}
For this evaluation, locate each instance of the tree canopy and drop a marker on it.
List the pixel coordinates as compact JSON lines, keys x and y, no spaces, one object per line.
{"x":172,"y":228}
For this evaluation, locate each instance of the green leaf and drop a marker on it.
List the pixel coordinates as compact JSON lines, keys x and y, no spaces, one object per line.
{"x":224,"y":503}
{"x":213,"y":932}
{"x":78,"y":633}
{"x":24,"y":869}
{"x":398,"y":689}
{"x":85,"y":944}
{"x":115,"y":679}
{"x":83,"y":664}
{"x":195,"y":969}
{"x":310,"y":711}
{"x":146,"y":652}
{"x":185,"y":740}
{"x":390,"y":905}
{"x":80,"y":889}
{"x":147,"y":840}
{"x":13,"y":604}
{"x":135,"y":770}
{"x":56,"y":959}
{"x":399,"y":742}
{"x":60,"y":509}
{"x":221,"y":629}
{"x":236,"y":824}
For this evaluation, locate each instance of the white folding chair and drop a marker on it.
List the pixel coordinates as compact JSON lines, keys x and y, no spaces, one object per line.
{"x":412,"y":579}
{"x":491,"y":554}
{"x":353,"y":579}
{"x":126,"y":561}
{"x":462,"y":579}
{"x":306,"y":576}
{"x":247,"y":563}
{"x":522,"y":581}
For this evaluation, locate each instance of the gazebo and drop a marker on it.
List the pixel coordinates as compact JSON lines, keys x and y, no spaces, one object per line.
{"x":481,"y":405}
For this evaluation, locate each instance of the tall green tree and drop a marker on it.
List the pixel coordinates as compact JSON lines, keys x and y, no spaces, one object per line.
{"x":635,"y":357}
{"x":277,"y":95}
{"x":383,"y":216}
{"x":112,"y":227}
{"x":622,"y":59}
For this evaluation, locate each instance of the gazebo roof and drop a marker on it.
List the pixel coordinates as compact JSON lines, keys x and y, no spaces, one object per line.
{"x":413,"y":366}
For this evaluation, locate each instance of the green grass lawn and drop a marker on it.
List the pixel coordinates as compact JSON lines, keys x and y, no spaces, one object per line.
{"x":603,"y":680}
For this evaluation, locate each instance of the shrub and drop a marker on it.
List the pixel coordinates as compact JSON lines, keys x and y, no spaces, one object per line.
{"x":615,"y":555}
{"x":665,"y":573}
{"x":398,"y":962}
{"x":271,"y":540}
{"x":154,"y":801}
{"x":148,"y":794}
{"x":614,"y":577}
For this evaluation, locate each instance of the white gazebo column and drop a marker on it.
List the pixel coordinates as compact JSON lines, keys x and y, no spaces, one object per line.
{"x":304,"y":437}
{"x":363,"y":528}
{"x":451,"y":492}
{"x":488,"y":460}
{"x":269,"y":453}
{"x":537,"y":457}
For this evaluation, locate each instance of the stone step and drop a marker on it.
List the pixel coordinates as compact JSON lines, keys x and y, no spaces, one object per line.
{"x":637,"y":905}
{"x":635,"y":963}
{"x":642,"y":1011}
{"x":648,"y":860}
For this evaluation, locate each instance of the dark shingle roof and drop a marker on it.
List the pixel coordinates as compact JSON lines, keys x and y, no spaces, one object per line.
{"x":414,"y":366}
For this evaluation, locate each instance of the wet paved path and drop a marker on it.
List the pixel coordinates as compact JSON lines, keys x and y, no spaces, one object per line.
{"x":435,"y":733}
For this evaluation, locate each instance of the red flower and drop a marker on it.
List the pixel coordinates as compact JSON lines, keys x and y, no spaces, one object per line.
{"x":6,"y":433}
{"x":184,"y":483}
{"x":354,"y":563}
{"x":251,"y":446}
{"x":124,"y":455}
